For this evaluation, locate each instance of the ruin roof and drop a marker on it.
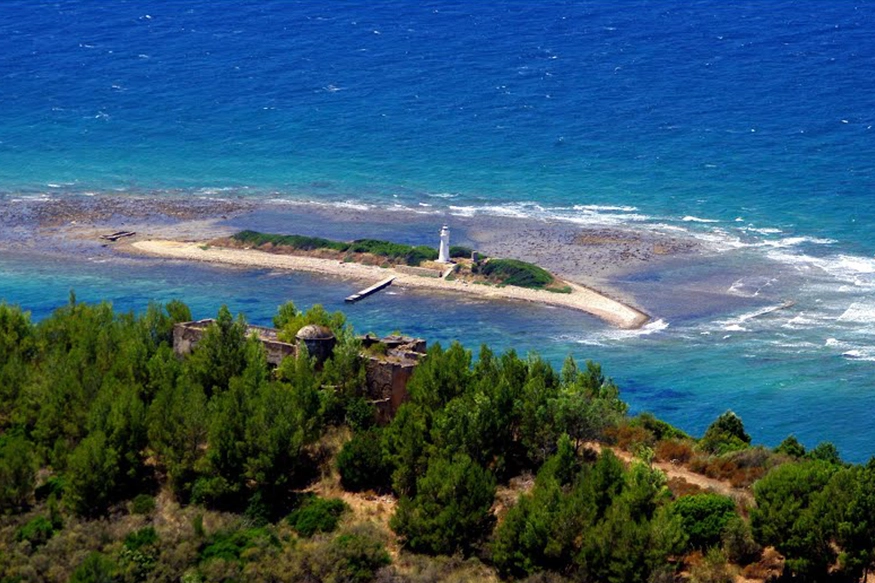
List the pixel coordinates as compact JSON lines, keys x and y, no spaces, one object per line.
{"x":314,"y":332}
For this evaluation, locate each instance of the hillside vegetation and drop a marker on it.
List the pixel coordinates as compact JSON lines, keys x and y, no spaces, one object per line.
{"x":120,"y":461}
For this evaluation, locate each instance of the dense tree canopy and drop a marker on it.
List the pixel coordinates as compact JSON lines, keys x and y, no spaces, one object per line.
{"x":100,"y":419}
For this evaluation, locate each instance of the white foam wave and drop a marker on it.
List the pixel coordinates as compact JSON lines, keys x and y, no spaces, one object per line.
{"x":805,"y":321}
{"x":851,"y":351}
{"x":749,"y":287}
{"x":587,"y":215}
{"x":215,"y":189}
{"x":692,"y":219}
{"x":797,"y":347}
{"x":42,"y":197}
{"x":796,"y":241}
{"x":859,"y":354}
{"x":613,"y":336}
{"x":345,"y":204}
{"x":736,"y":324}
{"x":599,"y":208}
{"x":859,"y":312}
{"x":495,"y":210}
{"x":443,"y":195}
{"x":649,"y":328}
{"x":764,"y":231}
{"x":856,"y":271}
{"x":860,"y":265}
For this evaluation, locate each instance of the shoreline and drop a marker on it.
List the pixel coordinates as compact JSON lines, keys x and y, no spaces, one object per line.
{"x":581,"y":298}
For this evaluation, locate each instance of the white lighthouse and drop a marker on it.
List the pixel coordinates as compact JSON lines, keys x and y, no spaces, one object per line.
{"x":444,"y":250}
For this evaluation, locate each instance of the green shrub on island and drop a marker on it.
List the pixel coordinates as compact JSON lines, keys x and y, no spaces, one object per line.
{"x":459,"y":251}
{"x":396,"y":252}
{"x":516,"y":272}
{"x":301,"y":242}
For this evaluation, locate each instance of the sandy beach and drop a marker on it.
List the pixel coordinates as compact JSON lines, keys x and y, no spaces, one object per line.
{"x":581,"y":298}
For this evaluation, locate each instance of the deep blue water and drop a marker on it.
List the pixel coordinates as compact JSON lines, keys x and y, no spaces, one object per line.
{"x":747,"y":125}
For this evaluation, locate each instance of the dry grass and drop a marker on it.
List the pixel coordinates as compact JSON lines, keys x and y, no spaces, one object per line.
{"x":770,"y":565}
{"x":506,"y":496}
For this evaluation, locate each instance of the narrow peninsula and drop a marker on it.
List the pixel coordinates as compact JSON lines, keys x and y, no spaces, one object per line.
{"x":371,"y":261}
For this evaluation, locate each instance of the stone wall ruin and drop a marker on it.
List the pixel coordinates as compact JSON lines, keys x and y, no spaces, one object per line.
{"x":389,"y":361}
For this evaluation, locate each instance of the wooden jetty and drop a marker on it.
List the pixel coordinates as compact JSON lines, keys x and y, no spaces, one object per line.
{"x":117,"y":235}
{"x":370,"y":290}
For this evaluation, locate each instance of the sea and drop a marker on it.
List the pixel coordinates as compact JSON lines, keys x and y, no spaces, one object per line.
{"x":746,"y":126}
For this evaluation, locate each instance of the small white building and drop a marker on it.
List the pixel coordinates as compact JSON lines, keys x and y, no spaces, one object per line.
{"x":444,"y":249}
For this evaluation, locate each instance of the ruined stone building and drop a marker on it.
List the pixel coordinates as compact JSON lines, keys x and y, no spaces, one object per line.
{"x":389,"y":362}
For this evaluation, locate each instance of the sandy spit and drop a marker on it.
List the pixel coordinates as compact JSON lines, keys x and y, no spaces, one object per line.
{"x":581,"y":298}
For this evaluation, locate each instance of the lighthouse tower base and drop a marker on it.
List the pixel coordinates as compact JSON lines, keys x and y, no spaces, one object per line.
{"x":444,"y":249}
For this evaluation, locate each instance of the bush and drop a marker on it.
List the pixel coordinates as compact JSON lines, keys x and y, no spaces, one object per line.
{"x":825,"y":451}
{"x":395,"y":251}
{"x":17,"y":472}
{"x":230,"y":545}
{"x":141,"y":538}
{"x":712,"y":569}
{"x":628,"y":437}
{"x":704,"y":516}
{"x":791,"y":447}
{"x":138,"y":557}
{"x":660,"y":429}
{"x":37,"y":532}
{"x":142,"y":504}
{"x":96,"y":568}
{"x":53,"y":485}
{"x":361,"y":463}
{"x":301,"y":242}
{"x":451,"y":511}
{"x":738,"y":543}
{"x":92,"y":474}
{"x":674,"y":450}
{"x":360,"y":414}
{"x":515,"y":272}
{"x":353,"y":556}
{"x":317,"y":515}
{"x":457,"y":251}
{"x":726,"y":434}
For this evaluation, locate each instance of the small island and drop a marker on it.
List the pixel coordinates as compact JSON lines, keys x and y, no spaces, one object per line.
{"x":469,"y":272}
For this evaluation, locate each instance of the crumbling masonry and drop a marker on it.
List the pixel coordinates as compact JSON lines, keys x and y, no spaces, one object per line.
{"x":388,"y":361}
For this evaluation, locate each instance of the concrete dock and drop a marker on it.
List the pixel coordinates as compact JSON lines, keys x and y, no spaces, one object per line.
{"x":370,"y":290}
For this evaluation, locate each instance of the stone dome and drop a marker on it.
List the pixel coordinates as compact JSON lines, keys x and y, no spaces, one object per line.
{"x":314,"y":332}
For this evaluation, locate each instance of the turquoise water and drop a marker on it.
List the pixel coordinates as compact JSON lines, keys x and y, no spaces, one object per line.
{"x":746,"y":126}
